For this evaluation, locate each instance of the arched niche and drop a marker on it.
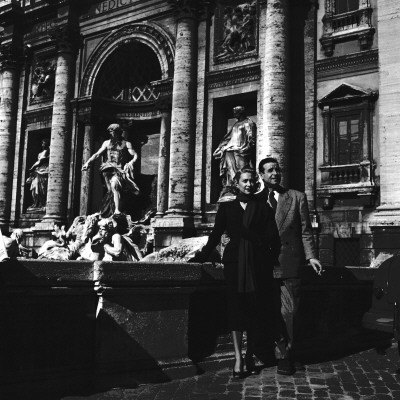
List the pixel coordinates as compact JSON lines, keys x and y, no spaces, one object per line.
{"x":148,"y":34}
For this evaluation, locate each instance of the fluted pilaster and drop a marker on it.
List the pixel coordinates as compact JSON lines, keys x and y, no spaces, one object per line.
{"x":60,"y":145}
{"x":163,"y":171}
{"x":273,"y":139}
{"x":9,"y":67}
{"x":183,"y":118}
{"x":86,"y":178}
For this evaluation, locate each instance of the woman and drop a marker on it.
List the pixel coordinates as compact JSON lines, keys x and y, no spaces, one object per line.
{"x":248,"y":262}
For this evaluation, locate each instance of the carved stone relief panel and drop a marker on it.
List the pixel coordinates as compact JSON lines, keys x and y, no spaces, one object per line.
{"x":42,"y":80}
{"x":236,"y":30}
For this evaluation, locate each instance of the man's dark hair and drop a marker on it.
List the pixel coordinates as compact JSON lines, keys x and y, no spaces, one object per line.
{"x":266,"y":161}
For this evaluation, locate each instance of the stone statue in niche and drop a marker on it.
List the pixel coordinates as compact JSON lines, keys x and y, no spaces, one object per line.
{"x":236,"y":150}
{"x":38,"y":178}
{"x":43,"y":81}
{"x":239,"y":31}
{"x":116,"y":169}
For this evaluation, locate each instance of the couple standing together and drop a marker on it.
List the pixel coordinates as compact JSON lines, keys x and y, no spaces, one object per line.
{"x":270,"y":240}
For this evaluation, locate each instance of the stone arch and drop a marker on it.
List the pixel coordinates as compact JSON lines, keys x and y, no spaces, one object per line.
{"x":149,"y":34}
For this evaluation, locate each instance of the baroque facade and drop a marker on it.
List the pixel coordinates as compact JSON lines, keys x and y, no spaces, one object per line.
{"x":319,"y":78}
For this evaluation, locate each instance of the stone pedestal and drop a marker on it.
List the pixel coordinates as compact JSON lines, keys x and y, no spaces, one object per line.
{"x":170,"y":230}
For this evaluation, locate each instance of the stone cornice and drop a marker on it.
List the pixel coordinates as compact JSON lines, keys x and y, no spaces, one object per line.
{"x":234,"y":76}
{"x":38,"y":114}
{"x":351,"y":64}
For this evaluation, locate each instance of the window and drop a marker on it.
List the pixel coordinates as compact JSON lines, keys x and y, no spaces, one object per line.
{"x":344,"y":6}
{"x":348,"y":139}
{"x":348,"y":165}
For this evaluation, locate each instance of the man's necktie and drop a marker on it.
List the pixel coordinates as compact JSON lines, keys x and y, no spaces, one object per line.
{"x":272,"y":200}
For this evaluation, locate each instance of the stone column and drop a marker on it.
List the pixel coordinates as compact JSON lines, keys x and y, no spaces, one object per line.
{"x":389,"y":115}
{"x":183,"y":118}
{"x":8,"y":117}
{"x":86,"y":177}
{"x":60,"y":144}
{"x":273,"y":138}
{"x":163,"y":164}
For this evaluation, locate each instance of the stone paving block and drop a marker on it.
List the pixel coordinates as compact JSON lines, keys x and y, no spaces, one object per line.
{"x":379,"y":383}
{"x":287,"y":393}
{"x":304,"y":389}
{"x":320,"y":393}
{"x":366,"y":391}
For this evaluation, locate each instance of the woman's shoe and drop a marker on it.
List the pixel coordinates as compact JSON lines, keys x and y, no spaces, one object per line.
{"x":238,"y":374}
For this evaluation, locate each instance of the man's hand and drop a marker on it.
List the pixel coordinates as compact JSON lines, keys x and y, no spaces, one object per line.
{"x":85,"y":166}
{"x":316,"y":265}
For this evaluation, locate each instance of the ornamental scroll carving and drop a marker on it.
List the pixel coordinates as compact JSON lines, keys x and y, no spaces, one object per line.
{"x":236,"y":30}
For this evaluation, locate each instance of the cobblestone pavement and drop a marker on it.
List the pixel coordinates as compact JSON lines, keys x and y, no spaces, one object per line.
{"x":367,"y":375}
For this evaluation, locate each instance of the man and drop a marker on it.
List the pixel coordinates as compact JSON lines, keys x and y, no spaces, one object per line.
{"x":294,"y":226}
{"x":237,"y":149}
{"x":116,"y":169}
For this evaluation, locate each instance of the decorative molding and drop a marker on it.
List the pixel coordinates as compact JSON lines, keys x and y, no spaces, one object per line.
{"x":351,"y":64}
{"x":40,"y":114}
{"x":163,"y":87}
{"x":147,"y":33}
{"x":234,"y":76}
{"x":366,"y":194}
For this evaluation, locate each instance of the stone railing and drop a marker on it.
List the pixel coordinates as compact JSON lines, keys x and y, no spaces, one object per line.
{"x":348,"y":179}
{"x":349,"y":20}
{"x":340,"y":174}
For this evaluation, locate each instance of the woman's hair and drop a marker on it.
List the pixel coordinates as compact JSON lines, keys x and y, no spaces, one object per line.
{"x":245,"y":170}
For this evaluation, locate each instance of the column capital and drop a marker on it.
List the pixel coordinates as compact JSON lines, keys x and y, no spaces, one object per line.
{"x":67,"y":39}
{"x":10,"y":56}
{"x":192,"y":8}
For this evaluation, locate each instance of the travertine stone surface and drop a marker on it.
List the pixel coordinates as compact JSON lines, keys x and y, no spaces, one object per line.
{"x":274,"y":139}
{"x":86,"y":181}
{"x":389,"y":113}
{"x":57,"y":192}
{"x":183,"y":118}
{"x":162,"y":187}
{"x":8,"y":116}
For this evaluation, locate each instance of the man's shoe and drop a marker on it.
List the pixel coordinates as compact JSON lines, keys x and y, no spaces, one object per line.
{"x":250,"y":362}
{"x":298,"y":366}
{"x":285,"y":367}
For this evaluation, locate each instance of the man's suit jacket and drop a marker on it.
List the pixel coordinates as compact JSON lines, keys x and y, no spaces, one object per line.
{"x":294,"y":226}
